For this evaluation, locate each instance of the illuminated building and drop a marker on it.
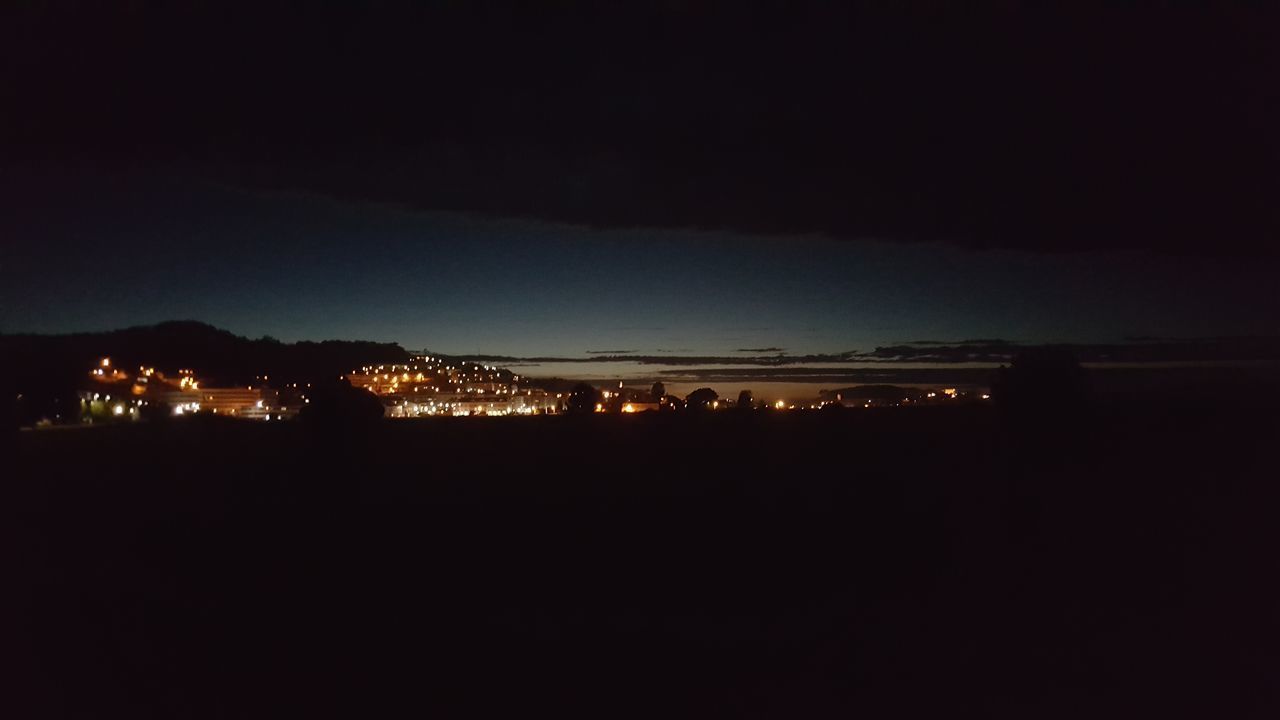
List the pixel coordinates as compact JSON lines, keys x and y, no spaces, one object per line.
{"x":119,"y":395}
{"x":253,"y":403}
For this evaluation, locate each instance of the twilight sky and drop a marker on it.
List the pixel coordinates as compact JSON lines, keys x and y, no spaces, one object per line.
{"x":687,"y":178}
{"x":302,"y":267}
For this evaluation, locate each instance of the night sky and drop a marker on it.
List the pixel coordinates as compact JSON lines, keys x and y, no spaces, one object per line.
{"x":693,"y":178}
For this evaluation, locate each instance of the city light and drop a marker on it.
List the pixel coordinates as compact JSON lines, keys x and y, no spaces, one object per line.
{"x":473,"y":390}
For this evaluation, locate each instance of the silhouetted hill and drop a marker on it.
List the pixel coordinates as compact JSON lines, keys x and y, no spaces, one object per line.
{"x":46,"y":369}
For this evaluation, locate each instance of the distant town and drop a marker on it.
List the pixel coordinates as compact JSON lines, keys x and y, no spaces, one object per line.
{"x":185,"y":368}
{"x":435,"y":386}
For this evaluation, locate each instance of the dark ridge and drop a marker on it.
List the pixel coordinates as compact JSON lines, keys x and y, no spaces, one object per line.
{"x":48,"y":369}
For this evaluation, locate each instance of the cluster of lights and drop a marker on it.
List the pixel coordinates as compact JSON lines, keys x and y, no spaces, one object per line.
{"x":104,"y":370}
{"x":184,"y":395}
{"x":184,"y":408}
{"x":485,"y":388}
{"x":473,"y":380}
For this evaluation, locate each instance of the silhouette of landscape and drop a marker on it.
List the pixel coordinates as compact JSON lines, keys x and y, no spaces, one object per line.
{"x":717,"y":359}
{"x":1006,"y":558}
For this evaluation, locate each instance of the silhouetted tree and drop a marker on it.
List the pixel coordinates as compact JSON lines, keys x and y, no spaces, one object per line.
{"x":582,"y":399}
{"x":700,"y":399}
{"x":745,"y":400}
{"x":337,"y":403}
{"x":657,"y":391}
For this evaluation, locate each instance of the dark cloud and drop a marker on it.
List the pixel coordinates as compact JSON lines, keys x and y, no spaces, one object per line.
{"x":1184,"y":350}
{"x":834,"y":376}
{"x":762,"y":350}
{"x":1220,"y":349}
{"x":765,"y":360}
{"x":1048,"y":127}
{"x":1111,"y":378}
{"x":609,"y":352}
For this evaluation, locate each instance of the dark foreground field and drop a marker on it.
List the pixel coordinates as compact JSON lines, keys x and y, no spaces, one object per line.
{"x":920,"y":563}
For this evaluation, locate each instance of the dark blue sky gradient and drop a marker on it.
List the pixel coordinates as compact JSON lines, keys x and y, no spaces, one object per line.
{"x":299,"y":266}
